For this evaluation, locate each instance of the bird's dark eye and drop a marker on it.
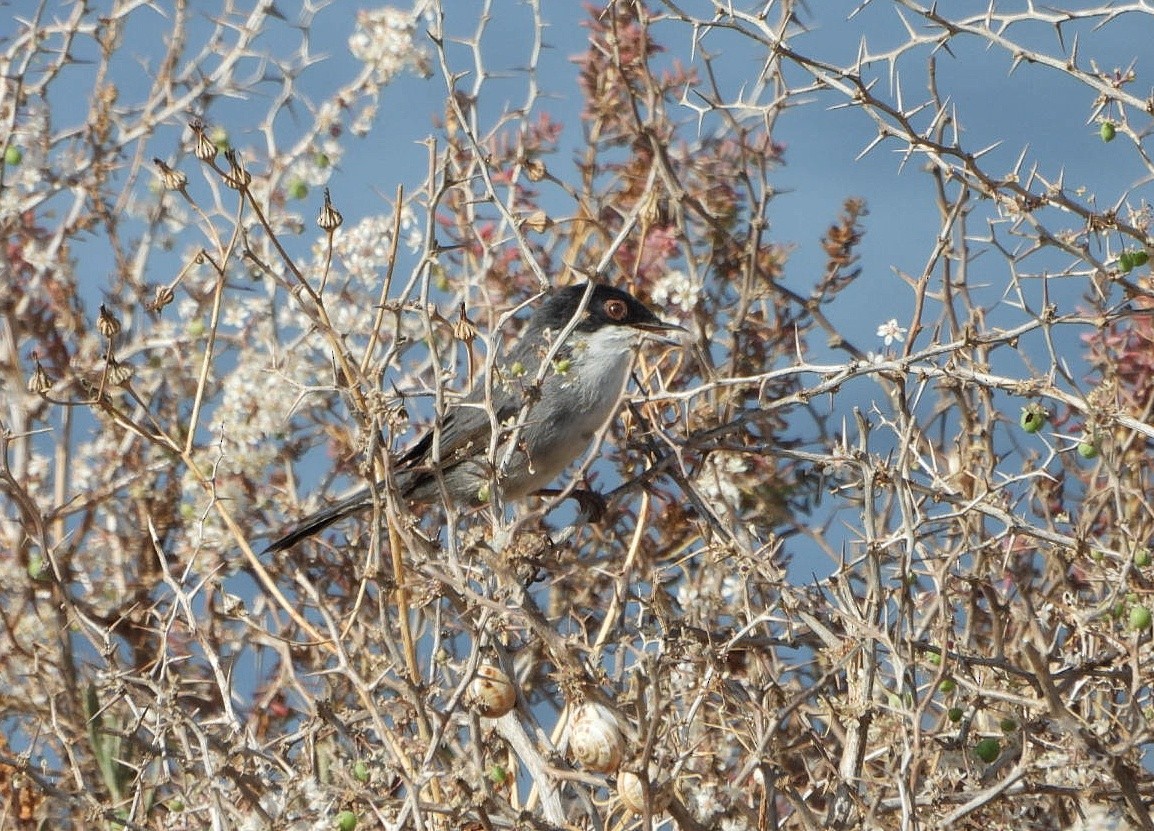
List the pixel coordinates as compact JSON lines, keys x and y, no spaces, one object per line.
{"x":616,"y":309}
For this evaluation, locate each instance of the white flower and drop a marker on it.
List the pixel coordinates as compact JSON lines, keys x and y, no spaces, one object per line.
{"x":676,"y":289}
{"x":717,"y":481}
{"x":363,"y":249}
{"x":890,"y":331}
{"x":384,"y":41}
{"x":414,"y":235}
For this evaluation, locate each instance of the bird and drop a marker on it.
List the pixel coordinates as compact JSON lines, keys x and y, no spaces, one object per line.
{"x":564,"y":407}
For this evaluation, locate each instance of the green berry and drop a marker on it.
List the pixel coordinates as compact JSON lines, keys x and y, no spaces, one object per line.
{"x":955,"y":714}
{"x":1008,"y":725}
{"x":1139,"y":257}
{"x":361,"y":771}
{"x":1125,"y":262}
{"x":498,"y":775}
{"x":948,"y":685}
{"x":1139,"y":618}
{"x":219,"y":137}
{"x":1033,"y":418}
{"x":562,"y":365}
{"x":1107,"y":131}
{"x":988,"y":749}
{"x":1142,"y":557}
{"x":1087,"y":450}
{"x":297,"y":189}
{"x":37,"y":568}
{"x":935,"y":658}
{"x":13,"y":155}
{"x":346,"y":821}
{"x":321,"y":160}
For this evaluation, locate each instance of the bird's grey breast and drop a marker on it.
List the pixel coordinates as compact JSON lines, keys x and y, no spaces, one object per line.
{"x":575,"y":402}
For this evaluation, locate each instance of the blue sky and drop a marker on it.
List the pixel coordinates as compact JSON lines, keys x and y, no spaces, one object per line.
{"x":1033,"y":110}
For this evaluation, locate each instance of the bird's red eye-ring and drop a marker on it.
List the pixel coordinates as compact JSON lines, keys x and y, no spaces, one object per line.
{"x":616,"y":309}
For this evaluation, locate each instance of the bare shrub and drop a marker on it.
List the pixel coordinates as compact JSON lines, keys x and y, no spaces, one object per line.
{"x":843,"y":578}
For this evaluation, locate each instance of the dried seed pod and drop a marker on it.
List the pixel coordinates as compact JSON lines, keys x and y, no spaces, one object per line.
{"x":595,"y":738}
{"x":631,"y":791}
{"x":491,"y":692}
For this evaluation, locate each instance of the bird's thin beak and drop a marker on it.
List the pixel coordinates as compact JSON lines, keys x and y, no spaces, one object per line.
{"x":662,"y":332}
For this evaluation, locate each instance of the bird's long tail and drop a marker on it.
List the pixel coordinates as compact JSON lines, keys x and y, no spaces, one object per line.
{"x":316,"y":522}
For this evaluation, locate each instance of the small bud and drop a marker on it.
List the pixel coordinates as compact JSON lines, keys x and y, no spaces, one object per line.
{"x":203,"y":148}
{"x":171,"y":179}
{"x":650,"y":209}
{"x":535,"y":170}
{"x":237,"y":177}
{"x":118,"y":373}
{"x":164,"y":295}
{"x":464,"y":329}
{"x":537,"y":222}
{"x":330,"y":218}
{"x":40,"y":382}
{"x":107,"y":323}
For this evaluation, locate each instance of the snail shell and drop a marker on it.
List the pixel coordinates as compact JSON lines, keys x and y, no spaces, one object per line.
{"x":491,"y":692}
{"x":631,"y":790}
{"x":595,"y":738}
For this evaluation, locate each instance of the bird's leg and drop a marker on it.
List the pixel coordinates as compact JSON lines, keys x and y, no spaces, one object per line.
{"x":593,"y":504}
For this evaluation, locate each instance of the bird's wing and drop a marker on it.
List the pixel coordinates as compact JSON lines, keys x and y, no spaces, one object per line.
{"x":465,"y":428}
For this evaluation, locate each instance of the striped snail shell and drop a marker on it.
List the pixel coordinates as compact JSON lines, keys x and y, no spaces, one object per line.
{"x":595,"y":739}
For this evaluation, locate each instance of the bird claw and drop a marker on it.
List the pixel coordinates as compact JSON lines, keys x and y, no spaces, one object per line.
{"x":593,"y":504}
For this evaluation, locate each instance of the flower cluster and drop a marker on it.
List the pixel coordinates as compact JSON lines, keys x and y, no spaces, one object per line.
{"x":384,"y":41}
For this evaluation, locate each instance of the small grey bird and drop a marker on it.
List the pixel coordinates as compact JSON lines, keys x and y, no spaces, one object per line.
{"x":577,"y":395}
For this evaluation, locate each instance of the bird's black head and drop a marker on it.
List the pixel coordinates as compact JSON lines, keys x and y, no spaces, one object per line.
{"x":607,"y":307}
